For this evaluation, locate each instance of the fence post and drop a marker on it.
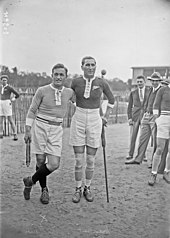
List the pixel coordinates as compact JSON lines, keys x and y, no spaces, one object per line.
{"x":117,"y":109}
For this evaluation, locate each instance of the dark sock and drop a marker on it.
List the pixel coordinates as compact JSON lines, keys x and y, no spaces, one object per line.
{"x":42,"y":180}
{"x":43,"y":171}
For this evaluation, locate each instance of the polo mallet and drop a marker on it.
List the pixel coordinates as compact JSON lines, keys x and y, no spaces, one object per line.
{"x":104,"y":156}
{"x":103,"y":72}
{"x":28,"y":153}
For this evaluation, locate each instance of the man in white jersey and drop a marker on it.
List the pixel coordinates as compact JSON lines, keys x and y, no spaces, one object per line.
{"x":86,"y":124}
{"x":44,"y":129}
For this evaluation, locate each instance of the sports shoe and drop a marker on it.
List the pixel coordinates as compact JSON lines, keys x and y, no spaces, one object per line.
{"x":15,"y":137}
{"x":87,"y":194}
{"x":166,"y":176}
{"x":152,"y":179}
{"x":77,"y":195}
{"x":28,"y":185}
{"x":45,"y":196}
{"x":150,"y":166}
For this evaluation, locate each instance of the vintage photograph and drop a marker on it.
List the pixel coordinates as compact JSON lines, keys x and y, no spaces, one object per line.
{"x":85,"y":118}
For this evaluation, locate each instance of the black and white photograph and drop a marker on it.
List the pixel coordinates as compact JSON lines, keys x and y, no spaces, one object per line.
{"x":85,"y":118}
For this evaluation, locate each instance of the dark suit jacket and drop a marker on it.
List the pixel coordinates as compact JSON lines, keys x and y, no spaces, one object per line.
{"x":136,"y":109}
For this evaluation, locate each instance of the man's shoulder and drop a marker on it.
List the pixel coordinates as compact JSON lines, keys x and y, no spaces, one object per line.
{"x":68,"y":90}
{"x":78,"y":78}
{"x":162,"y":89}
{"x":134,"y":91}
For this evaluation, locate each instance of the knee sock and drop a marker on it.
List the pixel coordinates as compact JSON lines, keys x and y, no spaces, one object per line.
{"x":155,"y":163}
{"x":89,"y":171}
{"x":167,"y":167}
{"x":42,"y":180}
{"x":43,"y":171}
{"x":78,"y":169}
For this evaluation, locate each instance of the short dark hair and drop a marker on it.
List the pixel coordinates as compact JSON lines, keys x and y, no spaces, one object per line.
{"x":141,"y":77}
{"x":87,"y":57}
{"x":60,"y":66}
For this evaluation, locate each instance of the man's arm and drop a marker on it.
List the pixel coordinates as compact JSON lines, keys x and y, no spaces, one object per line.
{"x":157,"y":102}
{"x":129,"y":109}
{"x":15,"y":93}
{"x":107,"y":91}
{"x":31,"y":115}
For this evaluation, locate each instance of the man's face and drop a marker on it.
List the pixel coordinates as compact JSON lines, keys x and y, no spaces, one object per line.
{"x":4,"y":81}
{"x":58,"y":77}
{"x":89,"y":68}
{"x":140,"y":82}
{"x":155,"y":83}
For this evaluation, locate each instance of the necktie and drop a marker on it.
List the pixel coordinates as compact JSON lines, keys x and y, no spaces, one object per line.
{"x":141,"y":95}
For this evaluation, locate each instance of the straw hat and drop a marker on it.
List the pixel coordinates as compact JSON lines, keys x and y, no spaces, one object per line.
{"x":155,"y":76}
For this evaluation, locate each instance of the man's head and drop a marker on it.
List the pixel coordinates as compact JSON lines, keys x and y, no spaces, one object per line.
{"x":88,"y":65}
{"x":155,"y":79}
{"x":59,"y":74}
{"x":4,"y":79}
{"x":140,"y":80}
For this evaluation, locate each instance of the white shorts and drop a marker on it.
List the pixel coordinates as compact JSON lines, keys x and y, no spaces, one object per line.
{"x":163,"y":126}
{"x":5,"y":108}
{"x":86,"y":127}
{"x":46,"y":139}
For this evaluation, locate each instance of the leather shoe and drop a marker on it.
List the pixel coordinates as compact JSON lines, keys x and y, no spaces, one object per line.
{"x":132,"y":161}
{"x":129,"y":157}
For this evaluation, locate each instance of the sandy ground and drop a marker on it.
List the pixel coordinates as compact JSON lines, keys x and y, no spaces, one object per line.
{"x":135,"y":210}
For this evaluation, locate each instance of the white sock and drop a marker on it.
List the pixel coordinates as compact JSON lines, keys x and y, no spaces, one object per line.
{"x":78,"y":184}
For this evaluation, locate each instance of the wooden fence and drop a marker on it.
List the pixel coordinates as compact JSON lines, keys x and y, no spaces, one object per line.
{"x":21,"y":106}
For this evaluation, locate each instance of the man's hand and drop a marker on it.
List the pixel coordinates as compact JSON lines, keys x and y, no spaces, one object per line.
{"x":104,"y":121}
{"x":27,"y":136}
{"x":130,"y":122}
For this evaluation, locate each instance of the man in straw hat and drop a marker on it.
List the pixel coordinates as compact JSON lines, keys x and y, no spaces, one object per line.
{"x":6,"y":104}
{"x":161,"y":111}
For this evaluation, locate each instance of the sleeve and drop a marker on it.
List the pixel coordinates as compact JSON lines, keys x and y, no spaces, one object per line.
{"x":130,"y":105}
{"x":107,"y":91}
{"x":14,"y":92}
{"x":157,"y":102}
{"x":36,"y":101}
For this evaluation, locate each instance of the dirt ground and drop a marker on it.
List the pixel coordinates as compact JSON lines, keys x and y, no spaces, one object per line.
{"x":135,"y":210}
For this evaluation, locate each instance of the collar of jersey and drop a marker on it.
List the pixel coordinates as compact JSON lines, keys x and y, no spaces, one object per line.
{"x":56,"y":88}
{"x":88,"y":79}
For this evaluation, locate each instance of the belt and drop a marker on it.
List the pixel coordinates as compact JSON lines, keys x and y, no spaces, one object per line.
{"x":55,"y":123}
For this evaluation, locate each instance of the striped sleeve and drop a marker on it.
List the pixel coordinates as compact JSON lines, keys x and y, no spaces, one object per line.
{"x":36,"y":101}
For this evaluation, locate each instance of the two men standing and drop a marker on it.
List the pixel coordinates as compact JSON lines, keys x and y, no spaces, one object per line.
{"x":44,"y":126}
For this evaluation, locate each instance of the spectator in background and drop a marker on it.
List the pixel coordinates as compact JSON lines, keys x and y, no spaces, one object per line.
{"x":137,"y":105}
{"x":6,"y":105}
{"x":148,"y":126}
{"x":86,"y":124}
{"x":161,"y":111}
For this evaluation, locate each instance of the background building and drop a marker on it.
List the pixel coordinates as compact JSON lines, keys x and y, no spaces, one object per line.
{"x":148,"y":70}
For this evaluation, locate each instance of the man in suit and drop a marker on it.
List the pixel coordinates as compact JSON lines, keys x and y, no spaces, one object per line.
{"x":148,"y":126}
{"x":136,"y":108}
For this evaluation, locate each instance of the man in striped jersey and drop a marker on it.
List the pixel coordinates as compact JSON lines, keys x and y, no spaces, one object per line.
{"x":86,"y":124}
{"x":162,"y":104}
{"x":44,"y":129}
